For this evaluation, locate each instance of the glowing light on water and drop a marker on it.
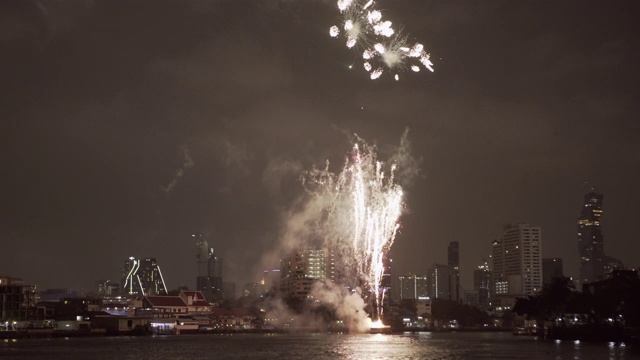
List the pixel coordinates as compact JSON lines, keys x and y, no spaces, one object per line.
{"x":365,"y":28}
{"x":362,"y":205}
{"x":378,"y":324}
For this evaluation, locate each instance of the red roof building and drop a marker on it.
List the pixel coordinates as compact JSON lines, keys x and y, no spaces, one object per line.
{"x":196,"y":302}
{"x":162,"y":306}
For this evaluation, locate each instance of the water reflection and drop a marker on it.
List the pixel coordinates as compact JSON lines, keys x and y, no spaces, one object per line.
{"x":424,"y":345}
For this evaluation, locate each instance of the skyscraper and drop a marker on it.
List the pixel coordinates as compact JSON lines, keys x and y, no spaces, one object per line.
{"x":517,"y":262}
{"x":209,"y":279}
{"x":551,"y":268}
{"x":413,"y":287}
{"x":453,"y":255}
{"x":594,"y":264}
{"x":142,"y":277}
{"x":301,"y":269}
{"x":482,"y":281}
{"x":453,"y":260}
{"x":442,"y":283}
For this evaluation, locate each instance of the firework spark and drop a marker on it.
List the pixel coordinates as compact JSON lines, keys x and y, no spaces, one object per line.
{"x":362,"y":211}
{"x":383,"y":47}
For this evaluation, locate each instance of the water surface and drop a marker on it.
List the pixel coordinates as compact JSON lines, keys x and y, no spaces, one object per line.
{"x":439,"y":346}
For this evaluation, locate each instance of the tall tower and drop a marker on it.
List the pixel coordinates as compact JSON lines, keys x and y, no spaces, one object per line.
{"x":442,"y":283}
{"x":453,"y":260}
{"x":517,"y":262}
{"x":594,"y":264}
{"x":141,"y":277}
{"x":590,"y":242}
{"x":209,"y":279}
{"x":453,"y":255}
{"x":482,"y":281}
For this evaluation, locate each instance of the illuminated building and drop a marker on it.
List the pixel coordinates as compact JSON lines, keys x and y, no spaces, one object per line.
{"x":413,"y":287}
{"x":385,"y":281}
{"x":551,"y":268}
{"x":107,"y":287}
{"x":142,"y":277}
{"x":442,"y":283}
{"x":594,"y":264}
{"x":271,"y":280}
{"x":516,"y":260}
{"x":482,"y":281}
{"x":209,"y":279}
{"x":301,"y":269}
{"x":453,"y":260}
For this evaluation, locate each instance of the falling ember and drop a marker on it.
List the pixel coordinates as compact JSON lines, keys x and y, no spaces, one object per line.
{"x":363,"y":207}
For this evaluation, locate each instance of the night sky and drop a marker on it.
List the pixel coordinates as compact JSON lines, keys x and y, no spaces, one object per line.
{"x":128,"y":125}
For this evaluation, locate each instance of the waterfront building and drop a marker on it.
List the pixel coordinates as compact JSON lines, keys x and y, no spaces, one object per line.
{"x":594,"y":264}
{"x":482,"y":282}
{"x":162,"y":307}
{"x":516,"y":260}
{"x":298,"y":272}
{"x":413,"y":287}
{"x":209,"y":279}
{"x":107,"y":287}
{"x":442,"y":283}
{"x":300,"y":269}
{"x":453,"y":260}
{"x":15,"y":298}
{"x":271,"y":278}
{"x":196,"y":302}
{"x":142,"y":277}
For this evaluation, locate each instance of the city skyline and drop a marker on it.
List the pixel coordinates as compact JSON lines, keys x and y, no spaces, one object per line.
{"x":125,"y":140}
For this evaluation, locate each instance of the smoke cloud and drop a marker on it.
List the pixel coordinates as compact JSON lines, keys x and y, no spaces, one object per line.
{"x":355,"y":214}
{"x":187,"y":163}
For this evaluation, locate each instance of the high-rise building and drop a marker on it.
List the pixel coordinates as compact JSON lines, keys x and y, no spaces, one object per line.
{"x":271,"y":280}
{"x":516,"y":260}
{"x":413,"y":287}
{"x":453,"y":254}
{"x":551,"y":268}
{"x":142,"y":277}
{"x":482,"y":281}
{"x":301,"y":269}
{"x":209,"y":279}
{"x":442,"y":283}
{"x":107,"y":287}
{"x":385,"y":281}
{"x":453,"y":260}
{"x":590,"y":241}
{"x":594,"y":264}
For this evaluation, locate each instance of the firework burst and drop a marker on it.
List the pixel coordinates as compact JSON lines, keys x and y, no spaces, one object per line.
{"x":362,"y":207}
{"x":383,"y":48}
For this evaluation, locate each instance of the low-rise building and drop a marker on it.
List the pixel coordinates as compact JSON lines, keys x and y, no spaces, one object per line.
{"x":162,"y":307}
